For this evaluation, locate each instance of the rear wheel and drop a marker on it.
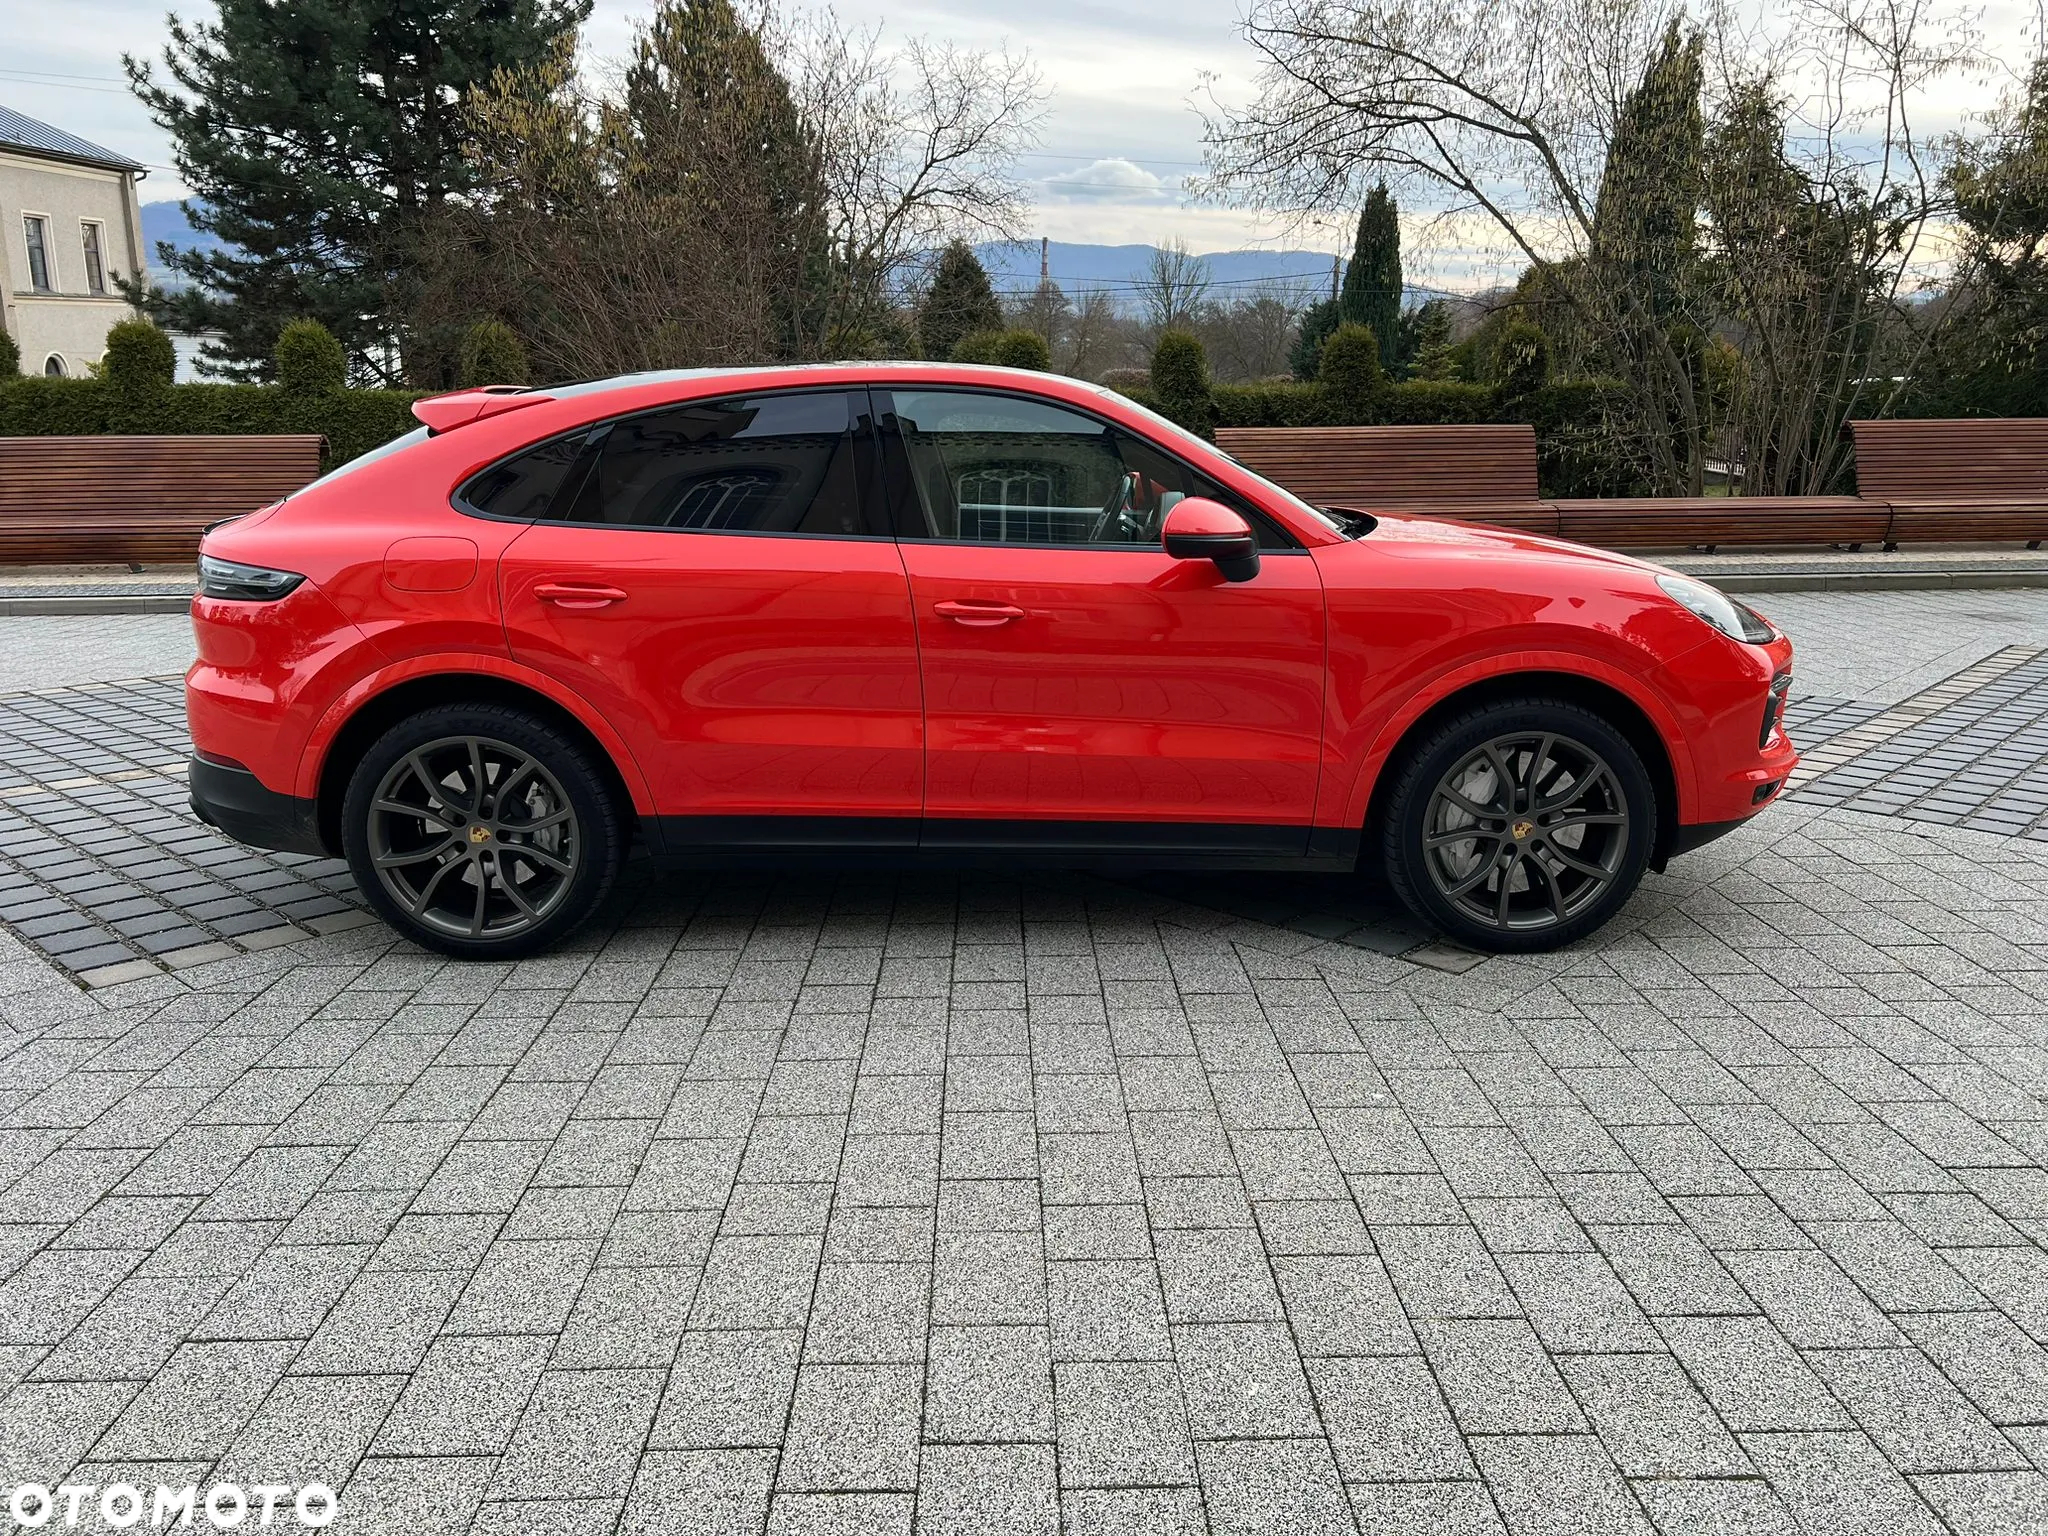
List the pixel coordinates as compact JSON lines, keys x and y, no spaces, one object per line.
{"x":1520,"y":825}
{"x":481,"y":831}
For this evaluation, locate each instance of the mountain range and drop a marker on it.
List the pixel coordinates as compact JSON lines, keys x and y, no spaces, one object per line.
{"x":1013,"y":266}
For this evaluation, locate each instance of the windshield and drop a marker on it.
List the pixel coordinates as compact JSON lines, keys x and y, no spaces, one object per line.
{"x":1174,"y":430}
{"x":416,"y":435}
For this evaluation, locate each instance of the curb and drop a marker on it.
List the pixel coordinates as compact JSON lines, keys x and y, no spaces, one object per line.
{"x":153,"y":603}
{"x":1933,"y":580}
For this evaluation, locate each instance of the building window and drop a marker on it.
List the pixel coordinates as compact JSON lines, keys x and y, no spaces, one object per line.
{"x":53,"y":367}
{"x":37,"y":231}
{"x":95,"y":264}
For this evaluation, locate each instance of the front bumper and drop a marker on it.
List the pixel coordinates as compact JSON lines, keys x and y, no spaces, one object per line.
{"x":233,"y":799}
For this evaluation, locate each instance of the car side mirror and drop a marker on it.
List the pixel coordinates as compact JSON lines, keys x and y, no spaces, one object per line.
{"x":1200,"y":529}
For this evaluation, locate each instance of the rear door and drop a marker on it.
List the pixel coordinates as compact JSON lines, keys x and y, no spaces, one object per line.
{"x":715,"y":579}
{"x":1083,"y":689}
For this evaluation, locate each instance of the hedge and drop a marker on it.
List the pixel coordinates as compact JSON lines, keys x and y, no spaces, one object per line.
{"x":352,"y":420}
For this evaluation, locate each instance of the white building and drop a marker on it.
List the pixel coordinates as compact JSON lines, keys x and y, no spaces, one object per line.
{"x":69,"y":223}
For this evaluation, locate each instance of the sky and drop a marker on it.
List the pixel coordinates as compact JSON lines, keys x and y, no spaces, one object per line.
{"x":1121,"y":133}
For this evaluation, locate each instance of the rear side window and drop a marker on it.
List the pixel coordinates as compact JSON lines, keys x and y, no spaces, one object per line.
{"x":526,"y":486}
{"x":761,"y":464}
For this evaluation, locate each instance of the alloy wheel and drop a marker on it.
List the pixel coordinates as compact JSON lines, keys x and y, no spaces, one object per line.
{"x":1526,"y":831}
{"x":473,"y":838}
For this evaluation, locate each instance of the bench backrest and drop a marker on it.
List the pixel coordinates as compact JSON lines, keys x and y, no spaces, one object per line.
{"x":1974,"y":459}
{"x":1392,"y":466}
{"x":112,"y":499}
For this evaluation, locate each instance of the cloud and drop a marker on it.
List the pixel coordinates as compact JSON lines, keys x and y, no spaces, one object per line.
{"x":1106,"y":181}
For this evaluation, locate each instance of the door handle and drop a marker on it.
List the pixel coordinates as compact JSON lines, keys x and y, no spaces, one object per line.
{"x":978,"y":615}
{"x":577,"y":594}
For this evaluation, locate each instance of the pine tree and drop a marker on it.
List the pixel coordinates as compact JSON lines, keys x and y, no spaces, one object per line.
{"x":1371,"y":296}
{"x":318,"y":139}
{"x":1318,"y":322}
{"x":961,"y":302}
{"x":1646,"y":216}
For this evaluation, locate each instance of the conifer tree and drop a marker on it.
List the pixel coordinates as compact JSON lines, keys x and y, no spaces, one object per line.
{"x":319,"y":139}
{"x":1371,"y":295}
{"x":961,"y":302}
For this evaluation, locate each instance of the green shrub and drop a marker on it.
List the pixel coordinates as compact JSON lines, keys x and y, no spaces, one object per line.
{"x":1124,"y":380}
{"x":975,"y":347}
{"x":1521,"y":360}
{"x":1180,"y":378}
{"x":491,"y":353}
{"x":1317,"y":322}
{"x":309,"y":359}
{"x":352,"y":420}
{"x":1350,"y":369}
{"x":10,"y":357}
{"x":1020,"y":348}
{"x":139,"y":358}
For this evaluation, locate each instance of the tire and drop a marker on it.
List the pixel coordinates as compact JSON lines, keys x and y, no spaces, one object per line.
{"x":1535,"y":870}
{"x":481,"y":877}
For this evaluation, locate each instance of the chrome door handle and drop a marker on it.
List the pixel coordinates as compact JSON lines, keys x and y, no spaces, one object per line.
{"x":576,"y":594}
{"x":978,"y":615}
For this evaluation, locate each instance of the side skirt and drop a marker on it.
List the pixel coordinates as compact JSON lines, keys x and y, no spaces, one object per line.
{"x":975,"y":842}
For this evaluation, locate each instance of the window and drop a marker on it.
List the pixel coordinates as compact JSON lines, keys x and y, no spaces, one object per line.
{"x":1001,"y":469}
{"x":524,"y":487}
{"x":53,"y":367}
{"x":36,"y":230}
{"x":766,"y":464}
{"x":95,"y":264}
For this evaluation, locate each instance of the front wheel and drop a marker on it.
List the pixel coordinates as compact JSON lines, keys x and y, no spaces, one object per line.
{"x":480,"y":831}
{"x":1520,"y":825}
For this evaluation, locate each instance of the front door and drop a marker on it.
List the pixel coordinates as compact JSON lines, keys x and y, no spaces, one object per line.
{"x":1082,"y":689}
{"x":709,"y":577}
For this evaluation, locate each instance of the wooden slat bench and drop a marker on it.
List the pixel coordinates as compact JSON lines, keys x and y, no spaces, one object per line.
{"x":1974,"y":479}
{"x":1483,"y":474}
{"x":1652,"y":522}
{"x":114,"y":500}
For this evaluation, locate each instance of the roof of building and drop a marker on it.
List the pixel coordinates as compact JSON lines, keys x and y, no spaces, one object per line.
{"x":25,"y":133}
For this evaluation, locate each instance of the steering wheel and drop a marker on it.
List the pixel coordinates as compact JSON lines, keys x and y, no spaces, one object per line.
{"x":1119,"y":523}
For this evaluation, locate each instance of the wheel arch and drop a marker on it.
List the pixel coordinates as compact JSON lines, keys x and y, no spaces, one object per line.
{"x":376,"y":713}
{"x":1611,"y":703}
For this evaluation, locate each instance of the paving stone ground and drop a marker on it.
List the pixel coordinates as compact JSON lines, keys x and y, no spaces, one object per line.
{"x":983,"y":1205}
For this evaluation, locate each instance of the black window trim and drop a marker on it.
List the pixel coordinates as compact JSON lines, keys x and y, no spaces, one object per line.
{"x":601,"y":428}
{"x":883,"y":397}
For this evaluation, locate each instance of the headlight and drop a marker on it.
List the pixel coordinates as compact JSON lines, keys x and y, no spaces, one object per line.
{"x":247,"y":583}
{"x":1733,"y":619}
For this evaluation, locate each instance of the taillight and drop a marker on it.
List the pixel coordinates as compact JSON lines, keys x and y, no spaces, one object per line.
{"x":244,"y":583}
{"x":1774,"y":707}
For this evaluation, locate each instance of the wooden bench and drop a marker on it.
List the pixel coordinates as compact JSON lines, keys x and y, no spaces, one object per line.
{"x":1651,"y":522}
{"x":1482,"y":474}
{"x":1969,"y":480}
{"x":137,"y":500}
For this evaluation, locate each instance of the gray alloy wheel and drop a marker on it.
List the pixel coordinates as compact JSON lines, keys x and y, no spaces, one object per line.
{"x":474,"y":838}
{"x":482,"y":830}
{"x":1518,"y":824}
{"x":1526,"y":832}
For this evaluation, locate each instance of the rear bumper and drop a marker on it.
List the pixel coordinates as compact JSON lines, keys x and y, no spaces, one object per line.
{"x":236,"y":801}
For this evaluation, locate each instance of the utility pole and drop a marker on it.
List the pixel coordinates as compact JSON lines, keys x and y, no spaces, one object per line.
{"x":1336,"y":258}
{"x":1044,"y":260}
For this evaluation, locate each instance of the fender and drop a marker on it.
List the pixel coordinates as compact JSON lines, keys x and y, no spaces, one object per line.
{"x":313,"y":761}
{"x":1577,"y":663}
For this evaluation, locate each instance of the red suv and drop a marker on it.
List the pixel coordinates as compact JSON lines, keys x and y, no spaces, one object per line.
{"x":933,"y":613}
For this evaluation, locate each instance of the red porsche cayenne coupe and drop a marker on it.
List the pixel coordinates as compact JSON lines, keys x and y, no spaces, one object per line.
{"x":930,"y":613}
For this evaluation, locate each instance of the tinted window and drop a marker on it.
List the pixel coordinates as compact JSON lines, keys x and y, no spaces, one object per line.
{"x":766,"y":464}
{"x":1002,"y":469}
{"x":524,"y":487}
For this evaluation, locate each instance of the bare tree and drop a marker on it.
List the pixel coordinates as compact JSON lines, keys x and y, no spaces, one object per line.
{"x":1175,"y":283}
{"x":916,"y":147}
{"x":1557,"y":122}
{"x":1093,"y":341}
{"x":743,"y":189}
{"x":1247,"y":337}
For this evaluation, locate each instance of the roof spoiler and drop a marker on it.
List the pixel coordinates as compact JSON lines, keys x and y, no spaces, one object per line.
{"x":444,"y":413}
